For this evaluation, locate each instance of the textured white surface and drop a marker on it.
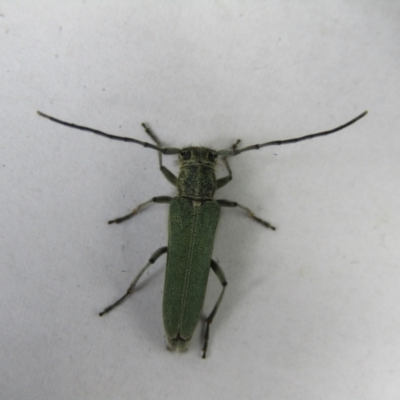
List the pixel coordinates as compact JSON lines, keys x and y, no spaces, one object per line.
{"x":311,"y":310}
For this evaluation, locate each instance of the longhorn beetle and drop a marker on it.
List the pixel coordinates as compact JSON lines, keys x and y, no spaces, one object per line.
{"x":193,"y":219}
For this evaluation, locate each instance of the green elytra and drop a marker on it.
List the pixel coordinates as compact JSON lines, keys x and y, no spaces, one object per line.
{"x":193,"y":220}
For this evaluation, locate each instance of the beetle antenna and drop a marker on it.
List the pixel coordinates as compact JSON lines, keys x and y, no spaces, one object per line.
{"x":234,"y":150}
{"x":163,"y":150}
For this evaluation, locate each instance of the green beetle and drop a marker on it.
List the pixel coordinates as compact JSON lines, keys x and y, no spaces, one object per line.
{"x":193,"y":220}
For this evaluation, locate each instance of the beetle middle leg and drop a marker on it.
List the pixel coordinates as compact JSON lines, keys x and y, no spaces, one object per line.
{"x":136,"y":210}
{"x":221,"y":277}
{"x":229,"y":203}
{"x":154,"y":257}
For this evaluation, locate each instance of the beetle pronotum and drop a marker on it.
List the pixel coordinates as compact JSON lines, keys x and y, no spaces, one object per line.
{"x":193,"y":219}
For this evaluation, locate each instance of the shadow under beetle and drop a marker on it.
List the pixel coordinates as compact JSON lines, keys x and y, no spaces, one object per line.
{"x":193,"y":220}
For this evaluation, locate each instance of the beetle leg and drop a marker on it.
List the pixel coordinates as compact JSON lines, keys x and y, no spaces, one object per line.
{"x":228,"y":203}
{"x":166,"y":172}
{"x":155,"y":256}
{"x":159,"y":199}
{"x":223,"y":181}
{"x":221,"y":276}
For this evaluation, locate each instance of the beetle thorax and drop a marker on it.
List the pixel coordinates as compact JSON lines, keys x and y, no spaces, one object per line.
{"x":197,"y":173}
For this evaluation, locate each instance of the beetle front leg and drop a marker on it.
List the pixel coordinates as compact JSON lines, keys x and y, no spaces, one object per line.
{"x":221,"y":277}
{"x":228,"y":203}
{"x":155,"y":256}
{"x":226,"y":179}
{"x":166,"y":172}
{"x":159,"y":199}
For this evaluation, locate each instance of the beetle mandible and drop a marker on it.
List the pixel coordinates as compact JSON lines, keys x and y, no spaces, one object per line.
{"x":193,"y":220}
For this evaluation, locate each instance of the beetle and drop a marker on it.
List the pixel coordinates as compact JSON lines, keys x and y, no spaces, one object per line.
{"x":193,"y":220}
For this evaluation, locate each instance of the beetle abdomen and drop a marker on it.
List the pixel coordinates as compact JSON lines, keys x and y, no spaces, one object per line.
{"x":191,"y":237}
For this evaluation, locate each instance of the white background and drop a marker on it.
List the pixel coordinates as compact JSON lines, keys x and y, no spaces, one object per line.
{"x":311,"y":310}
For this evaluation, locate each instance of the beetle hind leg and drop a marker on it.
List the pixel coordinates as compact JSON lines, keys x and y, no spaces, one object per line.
{"x":155,"y":256}
{"x":221,"y":277}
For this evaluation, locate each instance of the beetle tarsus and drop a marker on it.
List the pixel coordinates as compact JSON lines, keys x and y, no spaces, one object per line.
{"x":206,"y":336}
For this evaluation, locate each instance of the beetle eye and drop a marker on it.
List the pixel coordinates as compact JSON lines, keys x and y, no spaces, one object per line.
{"x":212,"y":156}
{"x":186,"y":154}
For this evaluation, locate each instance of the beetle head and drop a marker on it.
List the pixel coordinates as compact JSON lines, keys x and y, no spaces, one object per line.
{"x":198,"y":155}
